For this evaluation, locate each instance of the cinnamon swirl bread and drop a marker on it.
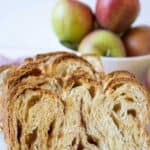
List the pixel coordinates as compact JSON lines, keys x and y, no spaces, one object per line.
{"x":55,"y":101}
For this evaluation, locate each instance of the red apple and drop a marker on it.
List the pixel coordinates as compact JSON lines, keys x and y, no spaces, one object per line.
{"x":137,"y":41}
{"x":71,"y":20}
{"x":102,"y":43}
{"x":117,"y":15}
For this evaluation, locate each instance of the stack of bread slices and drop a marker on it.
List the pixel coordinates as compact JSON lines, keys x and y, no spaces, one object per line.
{"x":61,"y":101}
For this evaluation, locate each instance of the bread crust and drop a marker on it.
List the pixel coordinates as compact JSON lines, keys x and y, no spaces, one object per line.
{"x":20,"y":73}
{"x":115,"y":75}
{"x":44,"y":55}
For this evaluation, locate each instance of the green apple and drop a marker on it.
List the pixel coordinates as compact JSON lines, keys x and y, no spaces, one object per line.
{"x":72,"y":20}
{"x":102,"y":43}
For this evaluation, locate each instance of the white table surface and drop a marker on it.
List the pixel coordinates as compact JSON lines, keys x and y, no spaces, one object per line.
{"x":25,"y":28}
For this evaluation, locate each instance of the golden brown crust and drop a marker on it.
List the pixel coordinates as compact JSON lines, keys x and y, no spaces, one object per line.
{"x":48,"y":57}
{"x":122,"y":80}
{"x":115,"y":75}
{"x":121,"y":73}
{"x":55,"y":84}
{"x":65,"y":57}
{"x":22,"y":72}
{"x":44,"y":55}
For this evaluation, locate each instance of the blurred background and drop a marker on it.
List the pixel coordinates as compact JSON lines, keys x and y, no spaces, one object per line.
{"x":25,"y":26}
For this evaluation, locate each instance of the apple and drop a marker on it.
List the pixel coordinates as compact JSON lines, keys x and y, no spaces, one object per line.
{"x":148,"y":79}
{"x":102,"y":43}
{"x":72,"y":20}
{"x":117,"y":15}
{"x":137,"y":41}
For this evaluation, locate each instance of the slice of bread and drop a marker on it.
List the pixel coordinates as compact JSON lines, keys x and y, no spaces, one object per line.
{"x":34,"y":120}
{"x":132,"y":97}
{"x":129,"y":111}
{"x":114,"y":119}
{"x":63,"y":63}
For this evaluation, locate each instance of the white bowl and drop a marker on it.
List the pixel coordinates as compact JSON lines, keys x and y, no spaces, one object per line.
{"x":136,"y":65}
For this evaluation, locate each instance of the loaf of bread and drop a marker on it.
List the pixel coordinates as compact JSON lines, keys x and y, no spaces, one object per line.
{"x":57,"y":101}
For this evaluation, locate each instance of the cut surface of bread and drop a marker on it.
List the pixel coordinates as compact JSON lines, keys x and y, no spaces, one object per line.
{"x":39,"y":119}
{"x":37,"y":116}
{"x":132,"y":96}
{"x":115,"y":119}
{"x":85,"y":117}
{"x":130,"y":108}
